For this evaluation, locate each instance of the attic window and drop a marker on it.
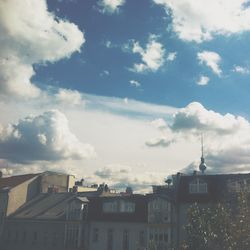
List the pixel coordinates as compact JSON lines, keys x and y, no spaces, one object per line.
{"x":198,"y":186}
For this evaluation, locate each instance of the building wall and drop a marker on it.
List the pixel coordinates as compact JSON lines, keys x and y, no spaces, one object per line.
{"x":33,"y":235}
{"x":21,"y":194}
{"x":182,"y":221}
{"x":61,"y":181}
{"x":118,"y":231}
{"x":3,"y":208}
{"x":160,"y":226}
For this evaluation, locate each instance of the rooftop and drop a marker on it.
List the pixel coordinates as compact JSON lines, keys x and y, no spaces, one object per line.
{"x":13,"y":181}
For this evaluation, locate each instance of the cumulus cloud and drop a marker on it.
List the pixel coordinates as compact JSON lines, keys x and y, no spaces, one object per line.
{"x":110,"y":6}
{"x":152,"y":56}
{"x":241,"y":70}
{"x":46,"y":137}
{"x":134,"y":83}
{"x":200,"y":20}
{"x":196,"y":117}
{"x":227,"y":137}
{"x":121,"y":176}
{"x":211,"y":59}
{"x":203,"y":80}
{"x":30,"y":34}
{"x":69,"y":97}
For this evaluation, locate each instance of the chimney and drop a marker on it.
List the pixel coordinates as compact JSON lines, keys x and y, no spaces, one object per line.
{"x":75,"y":189}
{"x":52,"y":189}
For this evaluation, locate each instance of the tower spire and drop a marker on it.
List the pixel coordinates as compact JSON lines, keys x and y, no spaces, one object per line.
{"x":202,"y":166}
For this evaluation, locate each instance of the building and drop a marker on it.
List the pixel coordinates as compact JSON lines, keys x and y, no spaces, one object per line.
{"x":72,"y":217}
{"x":206,"y":191}
{"x":90,"y":220}
{"x":15,"y":191}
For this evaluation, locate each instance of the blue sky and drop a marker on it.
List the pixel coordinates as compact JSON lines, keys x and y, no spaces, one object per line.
{"x":174,"y":83}
{"x":111,"y":89}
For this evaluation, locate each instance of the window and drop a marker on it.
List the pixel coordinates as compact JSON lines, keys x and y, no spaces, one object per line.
{"x":95,"y":235}
{"x":142,"y":238}
{"x":7,"y":237}
{"x":198,"y":186}
{"x":159,"y":211}
{"x":125,"y":240}
{"x":110,"y":239}
{"x":127,"y":207}
{"x":34,"y":242}
{"x":110,"y":207}
{"x":166,"y":237}
{"x":16,"y":236}
{"x":118,"y":206}
{"x":45,"y":238}
{"x":72,"y":237}
{"x":239,"y":185}
{"x":159,"y":237}
{"x":55,"y":239}
{"x":24,"y":237}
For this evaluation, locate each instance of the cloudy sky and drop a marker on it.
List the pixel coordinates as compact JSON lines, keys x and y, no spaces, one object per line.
{"x":120,"y":91}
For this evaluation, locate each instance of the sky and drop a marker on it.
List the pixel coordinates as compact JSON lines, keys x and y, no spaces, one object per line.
{"x":120,"y":91}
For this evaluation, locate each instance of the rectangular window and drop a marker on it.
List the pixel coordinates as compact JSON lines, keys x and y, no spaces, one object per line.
{"x":198,"y":186}
{"x":110,"y":207}
{"x":125,"y":240}
{"x":24,"y":237}
{"x":193,"y":188}
{"x":142,"y":238}
{"x":45,"y":238}
{"x":17,"y":236}
{"x":95,"y":235}
{"x":34,"y":241}
{"x":110,"y":239}
{"x":166,"y":237}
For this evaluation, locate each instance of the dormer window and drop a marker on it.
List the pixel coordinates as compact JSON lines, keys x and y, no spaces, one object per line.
{"x":198,"y":186}
{"x":118,"y":206}
{"x":110,"y":207}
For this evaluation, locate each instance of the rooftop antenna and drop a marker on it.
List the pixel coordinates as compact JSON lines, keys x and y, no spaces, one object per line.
{"x":202,"y":166}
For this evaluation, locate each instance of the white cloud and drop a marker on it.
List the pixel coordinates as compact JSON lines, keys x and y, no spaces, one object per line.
{"x":203,"y":80}
{"x":110,"y":6}
{"x":125,"y":100}
{"x":227,"y":137}
{"x":211,"y":59}
{"x":30,"y":34}
{"x":200,"y":20}
{"x":134,"y":83}
{"x":159,"y":123}
{"x":241,"y":70}
{"x":171,"y":56}
{"x":105,"y":73}
{"x":152,"y":56}
{"x":120,"y":176}
{"x":46,"y":137}
{"x":196,"y":117}
{"x":116,"y":131}
{"x":69,"y":97}
{"x":108,"y":44}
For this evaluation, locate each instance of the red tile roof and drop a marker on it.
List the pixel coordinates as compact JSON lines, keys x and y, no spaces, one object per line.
{"x":14,"y":181}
